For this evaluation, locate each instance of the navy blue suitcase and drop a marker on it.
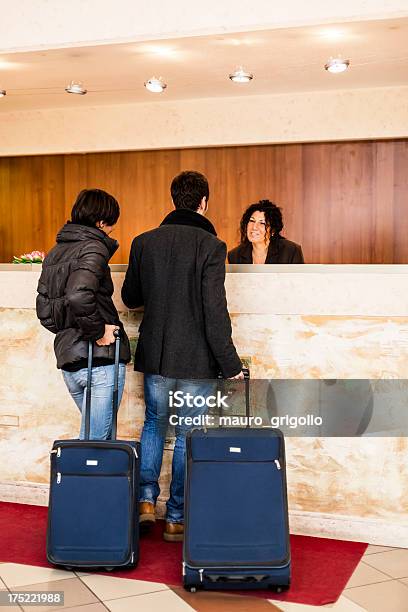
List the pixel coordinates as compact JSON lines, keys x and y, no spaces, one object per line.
{"x":236,"y":513}
{"x":93,"y":518}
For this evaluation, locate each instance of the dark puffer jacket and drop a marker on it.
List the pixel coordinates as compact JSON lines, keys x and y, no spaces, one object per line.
{"x":75,"y":296}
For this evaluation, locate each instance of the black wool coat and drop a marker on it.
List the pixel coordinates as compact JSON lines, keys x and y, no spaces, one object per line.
{"x":177,"y":272}
{"x":74,"y":298}
{"x":280,"y":251}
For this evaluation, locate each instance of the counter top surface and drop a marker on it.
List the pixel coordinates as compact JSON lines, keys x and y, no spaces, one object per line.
{"x":263,"y":269}
{"x":268,"y":290}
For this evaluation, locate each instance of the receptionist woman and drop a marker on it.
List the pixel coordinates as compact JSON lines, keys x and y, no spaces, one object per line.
{"x":261,"y":241}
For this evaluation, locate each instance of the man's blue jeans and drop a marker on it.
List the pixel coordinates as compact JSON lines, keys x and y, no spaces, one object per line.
{"x":101,"y":397}
{"x":156,"y":390}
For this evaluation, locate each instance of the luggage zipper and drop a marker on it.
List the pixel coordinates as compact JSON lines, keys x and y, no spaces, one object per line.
{"x":97,"y":444}
{"x":223,"y":568}
{"x":59,"y":477}
{"x":100,"y":475}
{"x":277,"y":464}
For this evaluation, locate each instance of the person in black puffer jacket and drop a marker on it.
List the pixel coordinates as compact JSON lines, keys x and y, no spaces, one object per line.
{"x":74,"y":302}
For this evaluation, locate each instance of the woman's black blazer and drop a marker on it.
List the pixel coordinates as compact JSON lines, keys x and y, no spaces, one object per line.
{"x":280,"y":251}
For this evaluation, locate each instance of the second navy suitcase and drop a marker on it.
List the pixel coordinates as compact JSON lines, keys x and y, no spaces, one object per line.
{"x":93,"y":518}
{"x":236,"y":513}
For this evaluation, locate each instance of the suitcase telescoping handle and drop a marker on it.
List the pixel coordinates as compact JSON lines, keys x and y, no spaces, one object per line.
{"x":247,"y":406}
{"x":115,"y":396}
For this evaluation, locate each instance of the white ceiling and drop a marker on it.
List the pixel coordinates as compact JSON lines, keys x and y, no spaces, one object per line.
{"x":285,"y":60}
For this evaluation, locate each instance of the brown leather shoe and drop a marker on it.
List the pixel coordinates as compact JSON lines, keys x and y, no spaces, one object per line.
{"x":173,"y":532}
{"x":146,"y":514}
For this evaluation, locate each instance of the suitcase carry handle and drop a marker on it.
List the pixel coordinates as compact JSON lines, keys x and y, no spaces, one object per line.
{"x":115,"y":395}
{"x":238,"y":578}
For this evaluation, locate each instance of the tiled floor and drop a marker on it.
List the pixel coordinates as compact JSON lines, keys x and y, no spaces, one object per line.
{"x":379,"y":584}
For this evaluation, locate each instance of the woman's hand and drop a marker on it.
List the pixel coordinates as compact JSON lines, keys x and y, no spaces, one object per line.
{"x":108,"y":337}
{"x":239,"y":376}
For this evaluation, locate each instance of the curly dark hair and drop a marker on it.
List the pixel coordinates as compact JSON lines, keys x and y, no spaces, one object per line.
{"x":273,"y":218}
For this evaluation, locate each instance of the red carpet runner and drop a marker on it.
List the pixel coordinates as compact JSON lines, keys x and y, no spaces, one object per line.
{"x":320,"y":567}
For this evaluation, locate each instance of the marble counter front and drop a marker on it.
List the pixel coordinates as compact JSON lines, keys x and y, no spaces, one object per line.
{"x":296,"y":322}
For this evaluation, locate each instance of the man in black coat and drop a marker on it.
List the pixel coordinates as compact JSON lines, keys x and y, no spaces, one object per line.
{"x":177,"y":272}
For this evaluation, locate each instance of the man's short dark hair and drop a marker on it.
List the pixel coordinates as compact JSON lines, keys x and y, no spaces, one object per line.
{"x":188,"y":189}
{"x":93,"y":205}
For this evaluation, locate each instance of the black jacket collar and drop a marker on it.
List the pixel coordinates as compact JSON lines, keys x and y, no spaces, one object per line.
{"x":184,"y":216}
{"x":74,"y":232}
{"x":245,"y":251}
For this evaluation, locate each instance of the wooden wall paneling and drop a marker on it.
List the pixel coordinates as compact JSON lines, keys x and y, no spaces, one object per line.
{"x":338,"y":209}
{"x":358,"y":190}
{"x":284,"y":187}
{"x":20,"y":183}
{"x":48,"y":206}
{"x":30,"y":196}
{"x":220,"y":168}
{"x":103,"y":172}
{"x":337,"y":181}
{"x":157,"y":169}
{"x":198,"y":160}
{"x":247,"y":187}
{"x":5,"y":210}
{"x":383,"y":205}
{"x":205,"y":162}
{"x":129,"y":207}
{"x":76,"y":179}
{"x":27,"y":188}
{"x":366,"y":215}
{"x":316,"y":193}
{"x":343,"y":202}
{"x":400,"y":233}
{"x":145,"y":178}
{"x":236,"y":189}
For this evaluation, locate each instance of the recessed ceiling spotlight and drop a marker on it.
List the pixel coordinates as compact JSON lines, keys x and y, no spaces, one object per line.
{"x":159,"y":50}
{"x":3,"y":93}
{"x":332,"y":34}
{"x":155,"y":85}
{"x":241,"y":76}
{"x":76,"y":87}
{"x":336,"y":65}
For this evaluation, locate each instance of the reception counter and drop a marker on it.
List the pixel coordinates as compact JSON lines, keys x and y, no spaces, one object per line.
{"x":289,"y":322}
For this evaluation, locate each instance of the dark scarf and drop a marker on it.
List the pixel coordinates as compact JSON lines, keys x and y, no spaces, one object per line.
{"x":184,"y":216}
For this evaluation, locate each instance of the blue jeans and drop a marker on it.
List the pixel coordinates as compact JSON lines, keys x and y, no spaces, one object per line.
{"x":156,"y":391}
{"x":101,"y":397}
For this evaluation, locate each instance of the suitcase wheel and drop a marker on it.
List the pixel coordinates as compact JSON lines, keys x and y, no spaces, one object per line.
{"x":281,"y":588}
{"x":193,"y":590}
{"x":109,"y":569}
